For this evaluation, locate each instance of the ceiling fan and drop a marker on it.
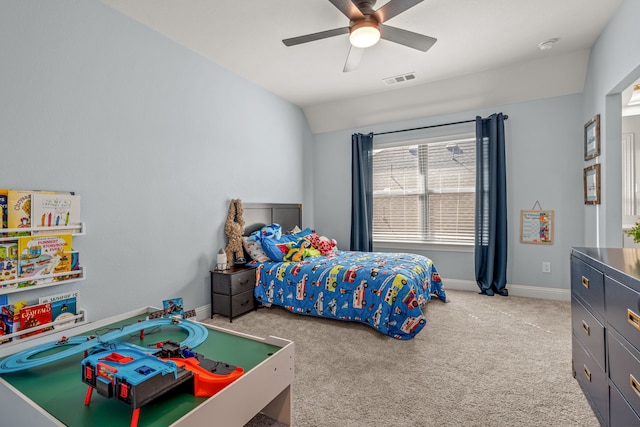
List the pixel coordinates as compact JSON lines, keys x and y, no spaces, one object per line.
{"x":366,"y":28}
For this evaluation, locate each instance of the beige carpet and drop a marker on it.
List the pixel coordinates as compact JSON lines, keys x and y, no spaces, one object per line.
{"x":480,"y":361}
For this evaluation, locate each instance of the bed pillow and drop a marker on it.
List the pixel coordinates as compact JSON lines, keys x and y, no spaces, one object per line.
{"x":255,"y":250}
{"x":275,"y":249}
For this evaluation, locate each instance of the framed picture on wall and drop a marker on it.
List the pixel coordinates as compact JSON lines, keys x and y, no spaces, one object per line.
{"x":592,"y":185}
{"x":592,"y":138}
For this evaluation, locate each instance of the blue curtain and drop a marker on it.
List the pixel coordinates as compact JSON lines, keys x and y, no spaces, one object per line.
{"x":362,"y":192}
{"x":491,"y":206}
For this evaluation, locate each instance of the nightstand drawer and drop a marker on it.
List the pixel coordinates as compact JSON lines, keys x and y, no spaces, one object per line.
{"x":235,"y":283}
{"x":588,"y":330}
{"x":588,"y":283}
{"x":240,"y":304}
{"x":592,"y":379}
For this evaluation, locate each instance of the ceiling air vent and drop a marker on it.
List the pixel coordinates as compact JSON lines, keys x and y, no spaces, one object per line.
{"x":399,"y":79}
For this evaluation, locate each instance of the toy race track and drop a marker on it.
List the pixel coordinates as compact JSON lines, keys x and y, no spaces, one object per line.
{"x":27,"y":359}
{"x":134,"y":374}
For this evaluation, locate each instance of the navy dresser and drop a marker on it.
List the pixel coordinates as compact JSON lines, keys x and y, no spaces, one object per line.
{"x":605,"y":323}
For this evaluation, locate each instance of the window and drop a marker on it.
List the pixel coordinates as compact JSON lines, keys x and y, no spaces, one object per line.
{"x":424,"y":191}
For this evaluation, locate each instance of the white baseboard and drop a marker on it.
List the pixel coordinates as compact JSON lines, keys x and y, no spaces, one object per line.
{"x":203,"y":313}
{"x":515,"y":290}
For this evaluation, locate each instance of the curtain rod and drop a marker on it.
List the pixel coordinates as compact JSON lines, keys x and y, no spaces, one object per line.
{"x":428,"y":127}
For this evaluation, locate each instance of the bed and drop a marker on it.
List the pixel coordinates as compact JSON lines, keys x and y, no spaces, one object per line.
{"x":387,"y":291}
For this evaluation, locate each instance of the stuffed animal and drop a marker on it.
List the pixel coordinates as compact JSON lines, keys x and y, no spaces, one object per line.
{"x":234,"y":228}
{"x":267,"y":232}
{"x":323,"y":244}
{"x":296,"y":251}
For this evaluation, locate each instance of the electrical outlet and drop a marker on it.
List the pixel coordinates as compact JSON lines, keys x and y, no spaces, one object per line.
{"x":546,"y":267}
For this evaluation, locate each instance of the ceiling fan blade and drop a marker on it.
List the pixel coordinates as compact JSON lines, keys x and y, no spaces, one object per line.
{"x":348,"y":9}
{"x":394,"y":8}
{"x":407,"y":38}
{"x":315,"y":36}
{"x":353,"y":59}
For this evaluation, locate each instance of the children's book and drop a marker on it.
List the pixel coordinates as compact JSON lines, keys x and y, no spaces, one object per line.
{"x":52,"y":210}
{"x":32,"y":316}
{"x":63,"y":306}
{"x":43,"y":255}
{"x":6,"y":322}
{"x":19,"y":210}
{"x":173,"y":306}
{"x":8,"y":264}
{"x":3,"y":208}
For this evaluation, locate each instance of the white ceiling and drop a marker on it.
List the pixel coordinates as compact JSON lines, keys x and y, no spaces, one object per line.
{"x":483,"y":45}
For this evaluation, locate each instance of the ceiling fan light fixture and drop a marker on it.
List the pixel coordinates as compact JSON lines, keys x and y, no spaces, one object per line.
{"x":364,"y":34}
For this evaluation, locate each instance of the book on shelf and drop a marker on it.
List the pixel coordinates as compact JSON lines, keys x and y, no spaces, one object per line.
{"x":32,"y":316}
{"x":8,"y":264}
{"x":43,"y":255}
{"x":53,"y":210}
{"x":63,"y":306}
{"x":3,"y":208}
{"x":6,"y":322}
{"x":19,"y":210}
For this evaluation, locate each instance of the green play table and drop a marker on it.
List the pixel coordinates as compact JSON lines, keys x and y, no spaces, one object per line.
{"x":53,"y":394}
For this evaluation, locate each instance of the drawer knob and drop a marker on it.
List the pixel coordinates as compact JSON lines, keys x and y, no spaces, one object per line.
{"x":634,"y":384}
{"x":587,"y":373}
{"x":585,"y":326}
{"x":633,"y":318}
{"x":585,"y":282}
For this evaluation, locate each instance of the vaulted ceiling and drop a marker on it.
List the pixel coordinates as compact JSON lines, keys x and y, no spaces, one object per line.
{"x":487,"y":52}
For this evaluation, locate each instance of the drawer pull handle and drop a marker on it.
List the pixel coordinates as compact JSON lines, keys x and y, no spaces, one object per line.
{"x":587,"y":373}
{"x":633,"y":318}
{"x":634,"y":384}
{"x":585,"y":282}
{"x":586,"y":327}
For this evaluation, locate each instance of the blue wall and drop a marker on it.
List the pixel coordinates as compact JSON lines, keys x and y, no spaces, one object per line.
{"x":155,"y":138}
{"x":544,"y":156}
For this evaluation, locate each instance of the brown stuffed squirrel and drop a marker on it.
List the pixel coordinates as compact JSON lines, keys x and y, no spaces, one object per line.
{"x":234,"y":228}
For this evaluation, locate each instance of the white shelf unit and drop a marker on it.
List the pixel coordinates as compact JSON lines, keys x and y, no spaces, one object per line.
{"x":53,"y":327}
{"x":10,"y":286}
{"x":75,"y":229}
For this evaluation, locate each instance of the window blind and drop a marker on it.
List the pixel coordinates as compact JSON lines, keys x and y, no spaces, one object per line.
{"x":425,"y":192}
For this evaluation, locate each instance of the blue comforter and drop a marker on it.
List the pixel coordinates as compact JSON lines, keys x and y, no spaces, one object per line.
{"x":387,"y":291}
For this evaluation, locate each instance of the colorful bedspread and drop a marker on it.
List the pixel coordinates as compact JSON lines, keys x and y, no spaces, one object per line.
{"x":387,"y":291}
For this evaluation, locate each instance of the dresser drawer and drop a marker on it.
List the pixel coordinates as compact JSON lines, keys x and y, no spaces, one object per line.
{"x":240,"y":304}
{"x":589,"y":331}
{"x":624,"y":368}
{"x":623,"y":310}
{"x":235,"y":283}
{"x":592,"y":379}
{"x":588,"y":283}
{"x":621,"y":412}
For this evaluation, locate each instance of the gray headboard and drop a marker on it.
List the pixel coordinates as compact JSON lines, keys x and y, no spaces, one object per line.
{"x":257,"y":215}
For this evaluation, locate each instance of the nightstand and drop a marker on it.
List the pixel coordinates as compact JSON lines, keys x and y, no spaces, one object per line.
{"x":232,"y":291}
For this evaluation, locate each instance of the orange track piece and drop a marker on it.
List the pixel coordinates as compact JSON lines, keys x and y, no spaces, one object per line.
{"x":206,"y":383}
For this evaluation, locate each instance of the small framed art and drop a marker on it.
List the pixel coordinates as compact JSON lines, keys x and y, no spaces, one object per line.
{"x":592,"y":138}
{"x":592,"y":185}
{"x":536,"y":227}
